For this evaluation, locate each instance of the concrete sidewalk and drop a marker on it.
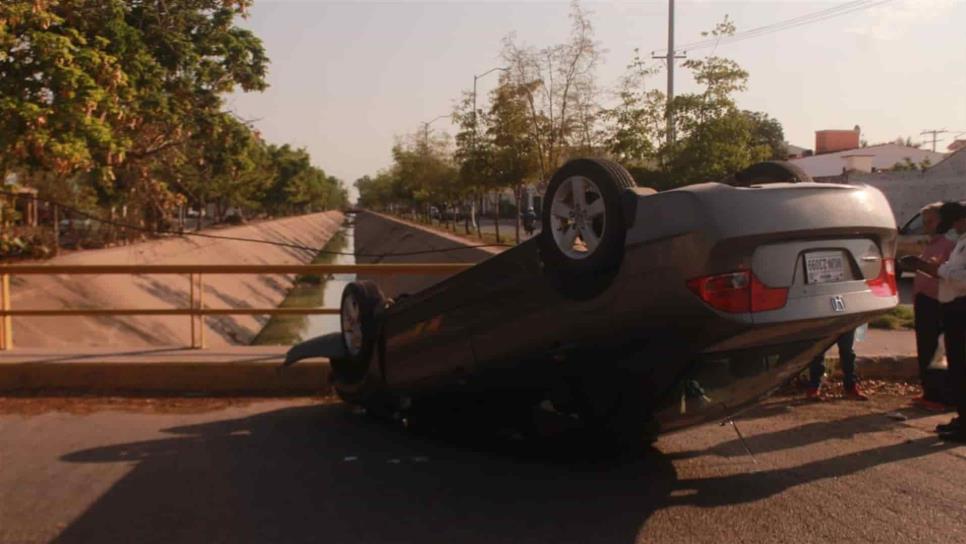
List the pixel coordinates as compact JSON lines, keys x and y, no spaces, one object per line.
{"x":884,"y":354}
{"x":165,"y":370}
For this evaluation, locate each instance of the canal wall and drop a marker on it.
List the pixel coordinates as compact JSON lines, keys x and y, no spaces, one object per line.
{"x":168,"y":291}
{"x":378,"y":237}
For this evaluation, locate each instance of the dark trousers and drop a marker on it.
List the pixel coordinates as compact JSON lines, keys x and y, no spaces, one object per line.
{"x":929,"y":325}
{"x":846,"y":360}
{"x":954,"y":321}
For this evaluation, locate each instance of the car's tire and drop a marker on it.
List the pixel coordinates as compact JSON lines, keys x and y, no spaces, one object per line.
{"x":771,"y":172}
{"x":357,"y":378}
{"x":583,"y":221}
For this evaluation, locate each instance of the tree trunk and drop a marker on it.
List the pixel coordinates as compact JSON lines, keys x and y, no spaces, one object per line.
{"x":496,"y":219}
{"x":517,"y":222}
{"x":478,"y":218}
{"x":56,"y":214}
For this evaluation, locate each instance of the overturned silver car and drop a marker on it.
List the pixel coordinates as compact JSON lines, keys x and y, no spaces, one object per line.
{"x":632,"y":310}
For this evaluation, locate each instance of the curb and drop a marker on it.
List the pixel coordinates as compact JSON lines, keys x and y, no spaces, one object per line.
{"x":260,"y":379}
{"x":881,"y":367}
{"x":263,"y":378}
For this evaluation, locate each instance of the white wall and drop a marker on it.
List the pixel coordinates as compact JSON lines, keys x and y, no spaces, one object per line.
{"x":907,"y":192}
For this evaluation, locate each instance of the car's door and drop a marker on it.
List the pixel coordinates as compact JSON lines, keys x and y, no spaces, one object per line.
{"x":912,"y":238}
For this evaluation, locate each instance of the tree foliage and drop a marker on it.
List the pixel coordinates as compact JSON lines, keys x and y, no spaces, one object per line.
{"x":548,"y":108}
{"x":122,"y":101}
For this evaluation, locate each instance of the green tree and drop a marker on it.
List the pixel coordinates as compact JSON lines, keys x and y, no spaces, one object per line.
{"x":714,"y":138}
{"x":558,"y":84}
{"x":514,"y":160}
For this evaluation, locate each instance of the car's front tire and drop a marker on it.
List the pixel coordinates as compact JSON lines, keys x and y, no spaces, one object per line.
{"x":357,"y":378}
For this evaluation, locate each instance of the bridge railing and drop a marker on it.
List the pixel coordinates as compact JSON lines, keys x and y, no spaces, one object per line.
{"x":196,"y":310}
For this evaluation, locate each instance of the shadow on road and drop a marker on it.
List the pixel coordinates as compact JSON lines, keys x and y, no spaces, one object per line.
{"x":317,"y":473}
{"x":810,"y":433}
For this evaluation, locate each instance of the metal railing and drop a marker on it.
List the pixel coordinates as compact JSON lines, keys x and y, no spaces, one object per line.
{"x":196,"y":304}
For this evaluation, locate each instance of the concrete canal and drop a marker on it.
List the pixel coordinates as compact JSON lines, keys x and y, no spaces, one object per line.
{"x":314,"y":292}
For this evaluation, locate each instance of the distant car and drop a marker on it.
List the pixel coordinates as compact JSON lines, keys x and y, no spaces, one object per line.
{"x":912,"y":239}
{"x":632,"y":309}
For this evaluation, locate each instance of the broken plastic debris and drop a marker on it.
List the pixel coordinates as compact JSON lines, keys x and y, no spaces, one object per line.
{"x":898,"y":416}
{"x":349,"y":458}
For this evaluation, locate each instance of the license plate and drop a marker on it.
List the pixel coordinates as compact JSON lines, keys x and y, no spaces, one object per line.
{"x":824,"y":267}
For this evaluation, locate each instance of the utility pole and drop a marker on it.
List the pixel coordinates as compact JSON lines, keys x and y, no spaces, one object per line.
{"x":670,"y":58}
{"x":934,"y":134}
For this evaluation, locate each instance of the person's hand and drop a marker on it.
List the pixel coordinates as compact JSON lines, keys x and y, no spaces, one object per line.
{"x":911,"y":262}
{"x":931,"y":268}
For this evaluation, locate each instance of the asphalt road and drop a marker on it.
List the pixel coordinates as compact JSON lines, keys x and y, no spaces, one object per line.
{"x":301,"y":471}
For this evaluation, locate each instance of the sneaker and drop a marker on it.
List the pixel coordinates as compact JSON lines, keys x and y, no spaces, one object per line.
{"x":853,"y":392}
{"x":954,"y":425}
{"x":813,"y":393}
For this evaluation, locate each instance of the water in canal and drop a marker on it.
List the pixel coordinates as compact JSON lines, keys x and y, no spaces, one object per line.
{"x":313,"y":292}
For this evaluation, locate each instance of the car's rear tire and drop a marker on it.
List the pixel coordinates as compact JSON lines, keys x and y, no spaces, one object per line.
{"x":583,"y":221}
{"x":357,"y":378}
{"x":771,"y":172}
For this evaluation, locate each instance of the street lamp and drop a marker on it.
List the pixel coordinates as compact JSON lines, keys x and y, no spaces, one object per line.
{"x":476,"y":77}
{"x":426,"y":127}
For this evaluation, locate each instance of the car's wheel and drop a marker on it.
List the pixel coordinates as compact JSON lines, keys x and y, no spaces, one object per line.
{"x":771,"y":172}
{"x":583,"y":221}
{"x":357,"y":377}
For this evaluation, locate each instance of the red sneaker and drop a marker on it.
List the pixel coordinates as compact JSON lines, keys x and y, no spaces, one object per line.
{"x":813,"y":393}
{"x":852,"y":392}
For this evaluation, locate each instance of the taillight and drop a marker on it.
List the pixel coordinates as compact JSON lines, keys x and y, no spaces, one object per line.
{"x":884,"y":285}
{"x":738,"y":292}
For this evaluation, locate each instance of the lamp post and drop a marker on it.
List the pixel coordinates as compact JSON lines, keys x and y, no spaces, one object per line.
{"x":426,"y":127}
{"x":477,"y":77}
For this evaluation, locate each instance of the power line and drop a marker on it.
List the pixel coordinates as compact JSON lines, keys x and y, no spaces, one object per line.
{"x":165,"y":232}
{"x":780,"y":25}
{"x":809,"y":18}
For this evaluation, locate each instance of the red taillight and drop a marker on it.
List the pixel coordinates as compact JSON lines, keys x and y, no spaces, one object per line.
{"x":885,"y":284}
{"x":738,"y":292}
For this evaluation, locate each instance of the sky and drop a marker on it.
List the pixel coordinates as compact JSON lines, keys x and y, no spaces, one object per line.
{"x":349,"y":77}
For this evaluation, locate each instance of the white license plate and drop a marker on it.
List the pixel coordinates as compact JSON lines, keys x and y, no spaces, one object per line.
{"x":824,"y":267}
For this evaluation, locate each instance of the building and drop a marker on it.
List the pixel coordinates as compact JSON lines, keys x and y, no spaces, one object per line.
{"x":830,"y":141}
{"x":873,"y":158}
{"x":910,"y":190}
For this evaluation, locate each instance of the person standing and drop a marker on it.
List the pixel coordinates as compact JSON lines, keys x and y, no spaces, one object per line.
{"x":850,"y":384}
{"x":952,"y":295}
{"x":926,"y":305}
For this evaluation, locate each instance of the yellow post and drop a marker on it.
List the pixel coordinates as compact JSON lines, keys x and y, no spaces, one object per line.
{"x":191,"y":305}
{"x":201,"y":306}
{"x":6,"y":322}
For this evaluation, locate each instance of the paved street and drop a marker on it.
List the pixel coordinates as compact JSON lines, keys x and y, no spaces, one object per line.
{"x":202,"y":470}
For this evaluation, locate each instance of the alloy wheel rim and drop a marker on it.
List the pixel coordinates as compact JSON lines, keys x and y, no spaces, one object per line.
{"x":578,"y":217}
{"x":351,"y":325}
